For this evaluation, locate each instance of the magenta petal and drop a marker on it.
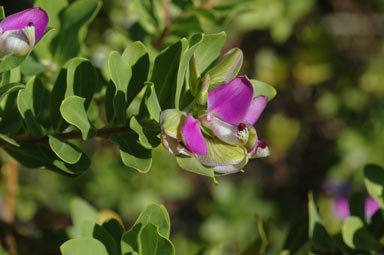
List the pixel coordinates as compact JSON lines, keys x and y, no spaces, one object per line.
{"x":231,"y":101}
{"x":371,"y":206}
{"x":33,"y":16}
{"x":193,"y":137}
{"x":257,"y":107}
{"x":340,"y":207}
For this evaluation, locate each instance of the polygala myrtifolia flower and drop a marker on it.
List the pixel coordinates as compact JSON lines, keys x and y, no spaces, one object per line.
{"x":221,"y":134}
{"x":340,"y":207}
{"x":19,"y":32}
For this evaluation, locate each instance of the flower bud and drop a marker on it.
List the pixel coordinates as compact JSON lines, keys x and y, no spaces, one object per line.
{"x":19,"y":32}
{"x":202,"y":95}
{"x":226,"y":69}
{"x":194,"y":75}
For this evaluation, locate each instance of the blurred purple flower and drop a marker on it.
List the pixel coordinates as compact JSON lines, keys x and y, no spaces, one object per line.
{"x":340,"y":207}
{"x":371,"y":206}
{"x":19,"y":32}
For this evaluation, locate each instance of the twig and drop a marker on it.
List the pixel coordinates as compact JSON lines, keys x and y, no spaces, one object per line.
{"x":69,"y":135}
{"x":167,"y":25}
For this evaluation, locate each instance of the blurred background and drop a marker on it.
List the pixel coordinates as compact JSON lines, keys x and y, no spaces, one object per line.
{"x":326,"y":60}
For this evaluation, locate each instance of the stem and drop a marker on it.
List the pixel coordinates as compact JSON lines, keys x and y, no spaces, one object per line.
{"x":167,"y":25}
{"x":12,"y":172}
{"x":75,"y":134}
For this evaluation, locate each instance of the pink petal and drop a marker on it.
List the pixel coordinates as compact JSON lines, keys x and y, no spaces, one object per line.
{"x":371,"y":206}
{"x":33,"y":16}
{"x":340,"y":207}
{"x":193,"y":137}
{"x":231,"y":101}
{"x":257,"y":107}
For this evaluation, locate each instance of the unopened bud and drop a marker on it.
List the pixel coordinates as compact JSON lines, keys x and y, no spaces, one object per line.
{"x":194,"y":75}
{"x":202,"y":95}
{"x":227,"y":68}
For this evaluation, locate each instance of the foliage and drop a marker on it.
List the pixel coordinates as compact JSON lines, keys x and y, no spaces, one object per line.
{"x":93,"y":235}
{"x":86,"y":103}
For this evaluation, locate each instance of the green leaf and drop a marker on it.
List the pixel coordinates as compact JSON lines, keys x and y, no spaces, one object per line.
{"x":114,"y":228}
{"x":209,"y":50}
{"x":71,"y":169}
{"x":132,"y":153}
{"x":193,"y":165}
{"x":153,"y":214}
{"x":317,"y":232}
{"x":261,"y":88}
{"x":73,"y":20}
{"x":150,"y":108}
{"x":81,"y":211}
{"x":31,"y":156}
{"x":374,"y":181}
{"x":121,"y":74}
{"x":356,"y":236}
{"x":31,"y":67}
{"x":29,"y":102}
{"x":357,"y":205}
{"x":109,"y":96}
{"x":83,"y":246}
{"x":158,"y":216}
{"x":183,"y":67}
{"x":152,"y":243}
{"x":9,"y":140}
{"x":66,"y":151}
{"x":297,"y":235}
{"x":150,"y":13}
{"x":9,"y":62}
{"x":53,"y":8}
{"x":57,"y":96}
{"x":81,"y":79}
{"x":41,"y":155}
{"x":10,"y":87}
{"x":129,"y":240}
{"x":103,"y":236}
{"x":137,"y":57}
{"x":165,"y":72}
{"x":147,"y":139}
{"x":73,"y":111}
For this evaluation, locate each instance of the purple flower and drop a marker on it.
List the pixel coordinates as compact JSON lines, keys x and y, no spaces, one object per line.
{"x":222,"y":136}
{"x":19,"y":32}
{"x":340,"y":206}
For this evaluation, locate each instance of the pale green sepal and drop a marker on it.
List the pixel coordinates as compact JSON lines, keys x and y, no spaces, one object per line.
{"x":192,"y":164}
{"x":221,"y":154}
{"x":263,"y":89}
{"x":230,"y":169}
{"x":226,"y":69}
{"x":171,"y":121}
